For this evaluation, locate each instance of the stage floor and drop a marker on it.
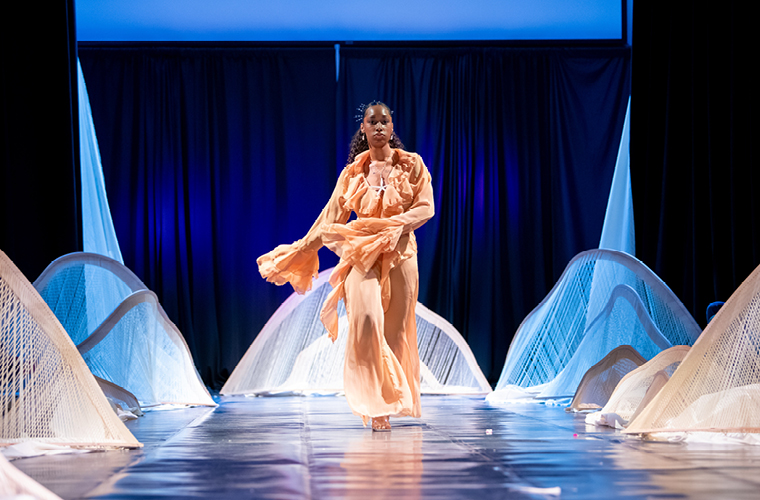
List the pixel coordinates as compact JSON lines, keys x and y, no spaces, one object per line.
{"x":462,"y":447}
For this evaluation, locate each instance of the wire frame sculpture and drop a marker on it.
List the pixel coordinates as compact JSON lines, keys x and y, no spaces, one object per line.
{"x":138,"y":348}
{"x":602,"y":294}
{"x":716,"y":388}
{"x":83,"y":288}
{"x":293,"y":354}
{"x":121,"y":329}
{"x":47,"y":392}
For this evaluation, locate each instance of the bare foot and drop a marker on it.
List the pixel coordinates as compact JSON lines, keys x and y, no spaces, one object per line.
{"x":381,"y":424}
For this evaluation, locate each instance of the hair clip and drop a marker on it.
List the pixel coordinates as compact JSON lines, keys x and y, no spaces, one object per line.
{"x":362,"y":108}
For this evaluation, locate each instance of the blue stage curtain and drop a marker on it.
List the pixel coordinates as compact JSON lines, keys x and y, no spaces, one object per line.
{"x":521,"y":144}
{"x":213,"y":156}
{"x":693,"y":148}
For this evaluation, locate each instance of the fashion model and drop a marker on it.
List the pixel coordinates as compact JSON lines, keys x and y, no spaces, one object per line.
{"x":390,"y":192}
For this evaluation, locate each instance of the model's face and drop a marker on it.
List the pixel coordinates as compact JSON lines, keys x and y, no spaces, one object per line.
{"x":377,"y":126}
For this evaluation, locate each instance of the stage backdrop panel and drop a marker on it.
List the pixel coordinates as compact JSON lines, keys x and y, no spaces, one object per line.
{"x":213,"y":156}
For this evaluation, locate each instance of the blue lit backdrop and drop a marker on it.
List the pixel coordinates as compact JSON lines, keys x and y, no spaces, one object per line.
{"x":343,"y":20}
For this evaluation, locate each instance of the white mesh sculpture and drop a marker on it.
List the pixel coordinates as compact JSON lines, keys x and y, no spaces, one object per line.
{"x":138,"y":348}
{"x":121,"y":329}
{"x":82,"y":289}
{"x":293,"y":354}
{"x":637,"y":387}
{"x":717,"y":385}
{"x":623,"y":322}
{"x":600,"y":380}
{"x":14,"y":484}
{"x":47,"y":393}
{"x":549,"y":353}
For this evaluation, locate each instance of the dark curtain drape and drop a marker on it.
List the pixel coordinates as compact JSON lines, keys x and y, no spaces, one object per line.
{"x":521,"y":144}
{"x":40,"y":212}
{"x":693,"y":162}
{"x":214,"y":156}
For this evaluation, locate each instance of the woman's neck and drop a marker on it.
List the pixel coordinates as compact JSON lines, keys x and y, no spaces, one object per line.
{"x":380,"y":154}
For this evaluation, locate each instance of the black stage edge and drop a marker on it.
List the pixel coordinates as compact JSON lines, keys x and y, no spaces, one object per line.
{"x":40,"y":211}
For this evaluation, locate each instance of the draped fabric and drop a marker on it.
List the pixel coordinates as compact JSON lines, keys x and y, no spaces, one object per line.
{"x":98,"y":233}
{"x":693,"y":149}
{"x":618,"y":232}
{"x":213,"y":156}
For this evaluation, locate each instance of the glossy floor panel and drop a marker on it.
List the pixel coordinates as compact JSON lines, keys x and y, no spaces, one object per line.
{"x":291,"y":447}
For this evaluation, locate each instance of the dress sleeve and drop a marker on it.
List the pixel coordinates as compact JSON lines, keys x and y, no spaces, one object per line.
{"x":298,"y":262}
{"x":423,"y":205}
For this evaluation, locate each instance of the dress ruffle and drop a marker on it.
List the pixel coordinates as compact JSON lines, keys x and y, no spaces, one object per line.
{"x":290,"y":263}
{"x":366,"y":202}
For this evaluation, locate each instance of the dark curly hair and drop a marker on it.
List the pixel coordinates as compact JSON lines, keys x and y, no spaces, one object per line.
{"x":359,"y":141}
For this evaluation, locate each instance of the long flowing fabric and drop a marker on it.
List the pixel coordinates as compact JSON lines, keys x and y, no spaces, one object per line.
{"x":618,"y":232}
{"x":97,"y":225}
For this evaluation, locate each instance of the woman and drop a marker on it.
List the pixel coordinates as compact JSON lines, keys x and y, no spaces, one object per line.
{"x":390,"y":191}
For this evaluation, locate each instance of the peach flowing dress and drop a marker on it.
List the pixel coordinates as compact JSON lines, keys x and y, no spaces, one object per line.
{"x":376,"y":277}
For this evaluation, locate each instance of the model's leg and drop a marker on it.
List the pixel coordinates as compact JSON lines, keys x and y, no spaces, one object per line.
{"x":401,"y":325}
{"x":373,"y":379}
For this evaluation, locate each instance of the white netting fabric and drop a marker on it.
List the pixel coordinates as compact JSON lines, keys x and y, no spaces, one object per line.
{"x":633,"y":391}
{"x":47,"y":393}
{"x":293,"y":354}
{"x":138,"y":348}
{"x":14,"y":484}
{"x":600,"y":380}
{"x":582,"y":302}
{"x":99,"y":300}
{"x":717,"y":385}
{"x":82,"y":289}
{"x":623,"y":321}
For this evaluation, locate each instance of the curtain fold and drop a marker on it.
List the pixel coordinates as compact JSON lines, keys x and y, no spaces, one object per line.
{"x":211,"y":158}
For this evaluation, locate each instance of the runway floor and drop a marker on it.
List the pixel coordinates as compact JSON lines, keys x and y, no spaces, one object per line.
{"x":462,"y":447}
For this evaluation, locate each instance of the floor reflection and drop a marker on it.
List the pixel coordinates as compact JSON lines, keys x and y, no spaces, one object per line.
{"x":377,"y":464}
